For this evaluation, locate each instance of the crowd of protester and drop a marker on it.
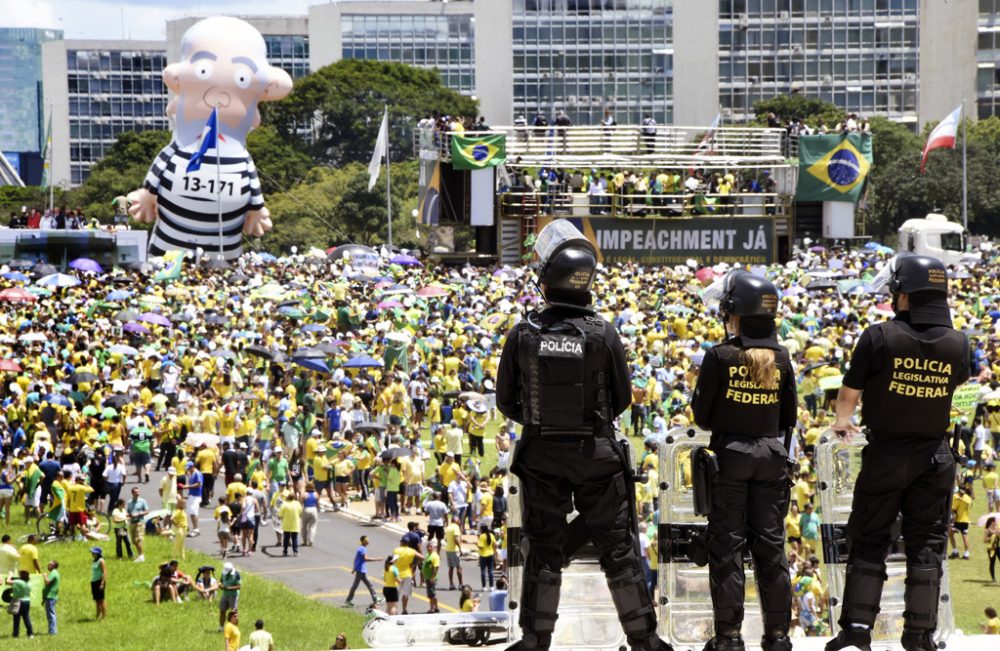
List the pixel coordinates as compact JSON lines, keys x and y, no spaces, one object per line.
{"x":280,"y":388}
{"x":59,"y":218}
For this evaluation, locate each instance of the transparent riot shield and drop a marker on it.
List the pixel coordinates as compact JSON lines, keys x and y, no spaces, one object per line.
{"x":837,"y":467}
{"x":685,"y":599}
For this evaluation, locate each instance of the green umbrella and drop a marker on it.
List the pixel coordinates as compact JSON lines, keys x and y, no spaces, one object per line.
{"x":109,"y":412}
{"x":90,"y":410}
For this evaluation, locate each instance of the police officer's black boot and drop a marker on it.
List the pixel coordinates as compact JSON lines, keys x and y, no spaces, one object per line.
{"x":851,"y":636}
{"x":539,"y":608}
{"x":776,"y":640}
{"x":726,"y":641}
{"x":650,"y":643}
{"x":923,"y":588}
{"x":862,"y":594}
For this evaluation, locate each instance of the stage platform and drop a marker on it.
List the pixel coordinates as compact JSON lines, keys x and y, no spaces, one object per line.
{"x":59,"y":247}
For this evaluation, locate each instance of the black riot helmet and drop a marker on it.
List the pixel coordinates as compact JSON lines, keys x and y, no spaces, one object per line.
{"x":917,"y":273}
{"x":747,"y":295}
{"x":567,"y":263}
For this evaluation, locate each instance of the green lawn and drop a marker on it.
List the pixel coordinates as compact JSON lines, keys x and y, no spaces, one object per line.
{"x":133,"y":622}
{"x":970,"y":580}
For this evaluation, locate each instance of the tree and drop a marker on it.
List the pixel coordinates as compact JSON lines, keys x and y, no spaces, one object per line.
{"x":335,"y":113}
{"x":280,"y":164}
{"x":798,"y":107}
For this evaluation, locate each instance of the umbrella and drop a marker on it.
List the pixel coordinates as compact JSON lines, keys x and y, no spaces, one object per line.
{"x":16,"y":294}
{"x":368,"y":427}
{"x":58,"y":280}
{"x":16,"y":276}
{"x":224,"y":353}
{"x":394,"y":453}
{"x":117,"y":402}
{"x":246,"y":334}
{"x":471,"y":395}
{"x":119,"y":349}
{"x":291,"y":312}
{"x":57,"y":399}
{"x":831,"y":382}
{"x":127,"y":315}
{"x":311,"y":363}
{"x":217,"y":319}
{"x":80,"y":378}
{"x":314,"y":327}
{"x":33,"y":337}
{"x":386,"y":305}
{"x":9,"y":365}
{"x":817,"y":249}
{"x":135,"y":328}
{"x":821,"y":285}
{"x":981,"y":522}
{"x":405,"y":260}
{"x":43,"y":269}
{"x":157,"y":319}
{"x":259,"y":351}
{"x":152,"y":299}
{"x":181,"y":317}
{"x":86,"y":264}
{"x":309,"y":353}
{"x":118,"y":295}
{"x":705,"y":274}
{"x":290,"y":303}
{"x":89,"y":410}
{"x":363,"y":361}
{"x":245,"y":396}
{"x":431,"y":290}
{"x":331,"y":347}
{"x":109,"y":412}
{"x":20,"y":264}
{"x":266,"y":257}
{"x":351,"y":249}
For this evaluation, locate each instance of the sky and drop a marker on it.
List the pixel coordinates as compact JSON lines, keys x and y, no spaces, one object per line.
{"x":134,"y":19}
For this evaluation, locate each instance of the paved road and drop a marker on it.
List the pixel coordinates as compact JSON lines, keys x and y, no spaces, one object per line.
{"x":323,"y":571}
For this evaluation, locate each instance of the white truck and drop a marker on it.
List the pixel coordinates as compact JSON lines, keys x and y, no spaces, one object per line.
{"x":935,"y":236}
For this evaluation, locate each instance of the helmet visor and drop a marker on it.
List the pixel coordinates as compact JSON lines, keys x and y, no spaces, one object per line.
{"x":555,"y":235}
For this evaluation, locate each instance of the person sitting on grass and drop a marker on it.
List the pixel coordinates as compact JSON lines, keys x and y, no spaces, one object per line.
{"x":164,"y":584}
{"x":206,"y":584}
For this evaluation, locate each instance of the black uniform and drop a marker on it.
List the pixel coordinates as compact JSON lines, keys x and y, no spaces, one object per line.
{"x":908,"y":373}
{"x":751,"y":491}
{"x":564,"y":377}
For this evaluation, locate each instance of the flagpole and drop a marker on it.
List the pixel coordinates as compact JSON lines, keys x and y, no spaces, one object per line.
{"x":965,"y":172}
{"x":218,"y":181}
{"x":388,"y":181}
{"x":52,"y":200}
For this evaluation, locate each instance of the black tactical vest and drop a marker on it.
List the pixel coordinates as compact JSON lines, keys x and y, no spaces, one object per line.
{"x":564,"y":383}
{"x":911,"y":393}
{"x":741,"y":405}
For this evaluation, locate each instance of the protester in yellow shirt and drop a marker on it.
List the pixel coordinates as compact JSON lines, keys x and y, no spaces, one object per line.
{"x":961,"y":506}
{"x":231,"y":632}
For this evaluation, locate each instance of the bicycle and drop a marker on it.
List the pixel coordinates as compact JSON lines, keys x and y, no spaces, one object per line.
{"x":57,"y":529}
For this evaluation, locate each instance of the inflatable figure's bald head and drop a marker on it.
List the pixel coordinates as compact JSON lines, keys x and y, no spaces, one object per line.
{"x":223,"y":64}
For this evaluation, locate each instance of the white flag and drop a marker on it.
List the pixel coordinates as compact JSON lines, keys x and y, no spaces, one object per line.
{"x":381,"y":147}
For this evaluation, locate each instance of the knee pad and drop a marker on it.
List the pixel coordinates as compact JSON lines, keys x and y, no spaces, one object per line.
{"x":862,"y":592}
{"x":540,"y":602}
{"x":923,"y":586}
{"x":633,"y":603}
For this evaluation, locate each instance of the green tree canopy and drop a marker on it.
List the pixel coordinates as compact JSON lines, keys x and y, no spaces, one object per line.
{"x":335,"y":112}
{"x":798,"y":107}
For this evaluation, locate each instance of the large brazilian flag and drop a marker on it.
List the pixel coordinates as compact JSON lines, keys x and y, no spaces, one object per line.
{"x":476,"y":153}
{"x":833,"y":168}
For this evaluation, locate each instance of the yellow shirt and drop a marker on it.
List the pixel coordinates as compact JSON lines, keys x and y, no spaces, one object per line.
{"x":29,"y":555}
{"x":180,"y":519}
{"x":237,"y":487}
{"x":486,"y":506}
{"x":486,"y":544}
{"x":990,"y":480}
{"x":321,"y":468}
{"x":291,"y":516}
{"x":468,"y":606}
{"x":205,"y":460}
{"x":76,"y":497}
{"x":792,"y":529}
{"x":391,"y":577}
{"x":992,"y":626}
{"x":311,"y":444}
{"x":961,"y":504}
{"x":452,"y":536}
{"x":404,"y":561}
{"x":232,"y":636}
{"x":448,"y":472}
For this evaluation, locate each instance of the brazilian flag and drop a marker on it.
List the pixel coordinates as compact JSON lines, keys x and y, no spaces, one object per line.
{"x":833,"y":168}
{"x":478,"y":152}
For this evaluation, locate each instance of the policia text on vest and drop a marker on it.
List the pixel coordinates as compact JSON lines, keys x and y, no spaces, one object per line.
{"x":741,"y":389}
{"x":920,"y":378}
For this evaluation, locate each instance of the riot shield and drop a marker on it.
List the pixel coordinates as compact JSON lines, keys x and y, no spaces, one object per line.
{"x":837,"y":467}
{"x":685,"y":618}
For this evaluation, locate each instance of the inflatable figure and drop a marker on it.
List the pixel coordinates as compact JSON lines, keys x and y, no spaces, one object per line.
{"x":223,"y":67}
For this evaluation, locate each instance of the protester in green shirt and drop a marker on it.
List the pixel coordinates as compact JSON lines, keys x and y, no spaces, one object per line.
{"x":98,"y":581}
{"x":21,"y":594}
{"x":50,"y":594}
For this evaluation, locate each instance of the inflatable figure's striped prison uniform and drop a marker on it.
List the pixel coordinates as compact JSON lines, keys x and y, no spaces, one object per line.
{"x":188,"y":202}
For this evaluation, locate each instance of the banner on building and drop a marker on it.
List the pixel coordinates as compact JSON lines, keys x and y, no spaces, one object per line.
{"x":482,"y":189}
{"x":833,"y":168}
{"x":709,"y":240}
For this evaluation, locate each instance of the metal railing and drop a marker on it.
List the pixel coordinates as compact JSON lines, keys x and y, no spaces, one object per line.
{"x":521,"y":204}
{"x":625,"y":145}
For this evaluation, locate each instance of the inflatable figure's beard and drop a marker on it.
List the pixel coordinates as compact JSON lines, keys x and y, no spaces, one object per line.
{"x":187,"y":132}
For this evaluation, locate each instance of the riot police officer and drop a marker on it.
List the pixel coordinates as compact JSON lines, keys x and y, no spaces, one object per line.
{"x":746,"y":396}
{"x":907,"y":369}
{"x":564,"y":377}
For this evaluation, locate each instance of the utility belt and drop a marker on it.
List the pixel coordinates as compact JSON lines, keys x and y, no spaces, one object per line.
{"x":582,"y":431}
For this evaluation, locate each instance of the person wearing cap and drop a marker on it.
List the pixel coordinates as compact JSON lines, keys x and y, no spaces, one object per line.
{"x":137,"y":508}
{"x":908,"y":369}
{"x":476,"y":426}
{"x":746,"y":397}
{"x":230,"y":587}
{"x":98,"y":581}
{"x":563,"y":375}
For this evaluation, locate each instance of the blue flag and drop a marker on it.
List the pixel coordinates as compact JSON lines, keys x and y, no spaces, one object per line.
{"x":209,"y":140}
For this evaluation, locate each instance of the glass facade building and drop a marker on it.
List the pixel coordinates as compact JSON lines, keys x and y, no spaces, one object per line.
{"x":444,"y":42}
{"x":290,"y":52}
{"x":111,"y":92}
{"x":988,"y":59}
{"x":586,"y":56}
{"x":863,"y":55}
{"x":22,"y":120}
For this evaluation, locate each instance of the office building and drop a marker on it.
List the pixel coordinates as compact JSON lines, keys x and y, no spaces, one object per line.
{"x":988,"y":59}
{"x":425,"y":34}
{"x":21,"y":108}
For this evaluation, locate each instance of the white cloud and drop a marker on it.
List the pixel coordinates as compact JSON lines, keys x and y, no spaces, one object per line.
{"x":135,"y":19}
